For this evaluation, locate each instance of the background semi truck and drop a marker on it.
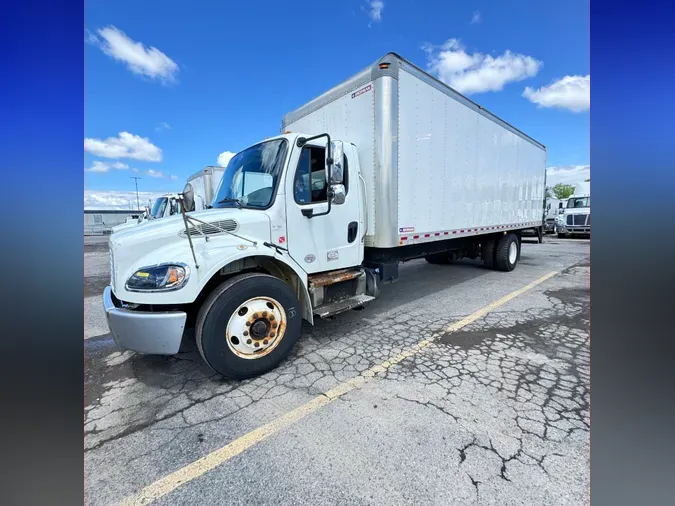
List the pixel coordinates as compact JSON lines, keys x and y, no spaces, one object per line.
{"x":576,"y":216}
{"x":388,"y":166}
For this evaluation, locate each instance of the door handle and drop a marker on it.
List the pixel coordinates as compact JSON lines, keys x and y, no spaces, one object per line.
{"x":352,"y":230}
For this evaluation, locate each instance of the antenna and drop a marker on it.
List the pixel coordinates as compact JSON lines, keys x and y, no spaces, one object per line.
{"x":136,"y":178}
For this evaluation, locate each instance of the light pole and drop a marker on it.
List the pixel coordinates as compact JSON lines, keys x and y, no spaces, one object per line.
{"x":135,"y":178}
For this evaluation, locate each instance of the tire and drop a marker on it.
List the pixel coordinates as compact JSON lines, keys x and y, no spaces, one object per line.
{"x":488,"y":253}
{"x":231,"y":308}
{"x":438,"y":258}
{"x":507,"y":252}
{"x":561,"y":236}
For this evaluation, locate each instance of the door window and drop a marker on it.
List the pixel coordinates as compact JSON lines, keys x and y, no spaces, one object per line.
{"x":310,"y":177}
{"x":309,"y":185}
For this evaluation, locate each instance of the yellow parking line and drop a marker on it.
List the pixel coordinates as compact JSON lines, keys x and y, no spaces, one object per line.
{"x":165,"y":485}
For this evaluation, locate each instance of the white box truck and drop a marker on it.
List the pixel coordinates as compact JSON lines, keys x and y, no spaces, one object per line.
{"x":197,"y":194}
{"x":201,"y":187}
{"x":389,"y":166}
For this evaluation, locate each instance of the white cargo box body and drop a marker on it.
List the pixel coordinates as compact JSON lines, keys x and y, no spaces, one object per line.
{"x":436,"y":164}
{"x":205,"y":184}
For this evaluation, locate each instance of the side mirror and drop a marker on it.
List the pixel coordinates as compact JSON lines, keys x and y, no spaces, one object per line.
{"x":338,"y":194}
{"x":337,"y":170}
{"x":308,"y":213}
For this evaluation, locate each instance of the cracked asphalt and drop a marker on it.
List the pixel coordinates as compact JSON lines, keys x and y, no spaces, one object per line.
{"x":494,"y":413}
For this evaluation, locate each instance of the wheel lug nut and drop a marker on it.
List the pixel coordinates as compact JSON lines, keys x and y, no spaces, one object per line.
{"x":274,"y":325}
{"x":265,"y":341}
{"x":271,"y":317}
{"x":257,"y":344}
{"x":248,"y":324}
{"x":272,"y":334}
{"x":248,"y":341}
{"x":264,"y":314}
{"x":245,"y":332}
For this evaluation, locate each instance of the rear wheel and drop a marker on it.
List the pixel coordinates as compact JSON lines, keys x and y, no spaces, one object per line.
{"x":248,"y":325}
{"x":488,"y":253}
{"x":507,"y":252}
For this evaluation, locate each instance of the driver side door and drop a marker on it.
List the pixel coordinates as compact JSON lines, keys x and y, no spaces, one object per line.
{"x":331,"y":241}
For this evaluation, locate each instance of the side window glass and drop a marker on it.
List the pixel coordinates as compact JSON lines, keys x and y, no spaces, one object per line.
{"x":309,"y":184}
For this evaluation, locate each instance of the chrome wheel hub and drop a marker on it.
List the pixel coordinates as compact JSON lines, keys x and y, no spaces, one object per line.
{"x":256,"y":327}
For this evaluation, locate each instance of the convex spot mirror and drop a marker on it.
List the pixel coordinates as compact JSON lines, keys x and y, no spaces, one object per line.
{"x":339,"y":193}
{"x":337,"y":153}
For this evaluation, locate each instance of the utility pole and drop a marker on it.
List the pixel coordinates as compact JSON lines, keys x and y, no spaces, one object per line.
{"x":135,"y":178}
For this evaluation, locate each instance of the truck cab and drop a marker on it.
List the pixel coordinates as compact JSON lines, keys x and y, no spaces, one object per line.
{"x":576,"y":216}
{"x":554,"y":208}
{"x":286,"y":209}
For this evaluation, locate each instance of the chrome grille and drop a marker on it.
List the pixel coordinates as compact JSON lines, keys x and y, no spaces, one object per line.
{"x":212,"y":228}
{"x":578,"y":220}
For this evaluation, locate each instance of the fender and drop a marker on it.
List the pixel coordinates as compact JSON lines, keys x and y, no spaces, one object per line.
{"x":281,"y":266}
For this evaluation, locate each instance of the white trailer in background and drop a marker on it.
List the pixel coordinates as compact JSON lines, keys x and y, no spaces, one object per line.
{"x":201,"y":187}
{"x":388,"y":166}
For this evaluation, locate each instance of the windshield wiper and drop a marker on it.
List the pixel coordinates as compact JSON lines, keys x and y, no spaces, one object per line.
{"x":230,"y":199}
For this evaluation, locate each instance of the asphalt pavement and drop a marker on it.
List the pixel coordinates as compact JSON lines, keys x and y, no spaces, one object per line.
{"x":458,"y":385}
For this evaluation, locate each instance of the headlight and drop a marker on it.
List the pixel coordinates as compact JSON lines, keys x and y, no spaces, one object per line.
{"x":162,"y":277}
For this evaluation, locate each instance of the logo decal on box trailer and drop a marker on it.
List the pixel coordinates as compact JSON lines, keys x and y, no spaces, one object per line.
{"x":362,"y":91}
{"x":406,"y":229}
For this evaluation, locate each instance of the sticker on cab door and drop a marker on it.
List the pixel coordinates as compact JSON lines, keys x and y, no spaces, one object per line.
{"x":363,"y":90}
{"x":404,"y":230}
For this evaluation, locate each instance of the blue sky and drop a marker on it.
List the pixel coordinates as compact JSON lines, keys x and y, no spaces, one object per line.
{"x":170,"y":85}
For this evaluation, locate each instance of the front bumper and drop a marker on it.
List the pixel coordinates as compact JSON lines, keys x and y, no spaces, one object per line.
{"x":155,"y":333}
{"x":574,"y":229}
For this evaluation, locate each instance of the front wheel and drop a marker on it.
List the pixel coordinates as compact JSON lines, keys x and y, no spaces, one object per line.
{"x":248,"y":325}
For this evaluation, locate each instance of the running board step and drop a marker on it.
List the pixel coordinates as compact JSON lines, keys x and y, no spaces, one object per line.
{"x":340,"y":306}
{"x":332,"y":277}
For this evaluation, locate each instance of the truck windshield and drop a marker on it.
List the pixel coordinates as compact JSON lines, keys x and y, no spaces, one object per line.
{"x":251,"y":176}
{"x":579,"y":202}
{"x":159,"y":207}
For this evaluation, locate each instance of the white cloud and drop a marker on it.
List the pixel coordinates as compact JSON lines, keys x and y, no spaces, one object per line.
{"x":134,"y":169}
{"x":154,"y":173}
{"x":173,"y":178}
{"x":225,"y":157}
{"x":117,"y":199}
{"x":374,"y":10}
{"x":477,"y":72}
{"x":99,"y":166}
{"x":162,"y":125}
{"x":567,"y":174}
{"x":570,"y":92}
{"x":476,"y":18}
{"x":146,"y":61}
{"x":126,"y":145}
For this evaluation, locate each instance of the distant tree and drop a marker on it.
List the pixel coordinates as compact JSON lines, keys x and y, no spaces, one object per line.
{"x":562,"y":191}
{"x":587,"y":180}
